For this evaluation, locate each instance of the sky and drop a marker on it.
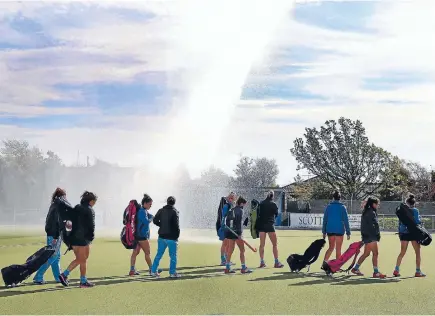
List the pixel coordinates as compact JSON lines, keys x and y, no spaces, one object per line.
{"x":159,"y":83}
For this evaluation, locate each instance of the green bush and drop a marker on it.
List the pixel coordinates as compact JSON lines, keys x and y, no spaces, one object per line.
{"x":392,"y":223}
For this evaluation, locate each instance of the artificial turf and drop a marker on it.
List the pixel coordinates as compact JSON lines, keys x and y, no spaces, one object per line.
{"x":205,"y":290}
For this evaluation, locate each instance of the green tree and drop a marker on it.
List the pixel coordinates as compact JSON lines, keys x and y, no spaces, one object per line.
{"x":215,"y":177}
{"x":256,"y":173}
{"x":341,"y":155}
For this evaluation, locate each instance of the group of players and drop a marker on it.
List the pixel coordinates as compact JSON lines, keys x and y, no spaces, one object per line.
{"x":335,"y":225}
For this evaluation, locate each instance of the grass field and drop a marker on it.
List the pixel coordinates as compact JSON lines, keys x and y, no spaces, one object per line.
{"x":204,"y":289}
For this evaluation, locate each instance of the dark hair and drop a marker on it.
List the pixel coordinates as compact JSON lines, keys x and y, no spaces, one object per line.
{"x":146,"y":199}
{"x":270,"y":195}
{"x":370,"y":202}
{"x":241,"y":200}
{"x":171,"y":201}
{"x":411,"y":199}
{"x":57,"y":193}
{"x":336,"y":195}
{"x":87,"y":197}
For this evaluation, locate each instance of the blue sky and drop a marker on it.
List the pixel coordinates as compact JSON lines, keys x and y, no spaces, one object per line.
{"x":112,"y":67}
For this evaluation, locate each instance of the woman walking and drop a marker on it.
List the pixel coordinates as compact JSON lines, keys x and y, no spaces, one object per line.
{"x":82,"y":239}
{"x":335,"y":224}
{"x":406,"y":237}
{"x":59,"y":204}
{"x":144,"y":218}
{"x":370,"y":236}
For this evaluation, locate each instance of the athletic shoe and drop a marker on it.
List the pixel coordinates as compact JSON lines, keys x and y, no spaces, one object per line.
{"x":419,"y":274}
{"x":378,"y":275}
{"x":357,"y":272}
{"x":158,"y":271}
{"x":175,"y":276}
{"x":245,"y":271}
{"x":63,"y":279}
{"x":86,"y":285}
{"x":229,"y":271}
{"x":262,"y":265}
{"x":133,"y":273}
{"x":278,"y":265}
{"x":37,"y":282}
{"x":396,"y":273}
{"x":155,"y":275}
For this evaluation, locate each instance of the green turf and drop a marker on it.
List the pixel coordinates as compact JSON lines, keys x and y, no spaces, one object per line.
{"x":204,"y":289}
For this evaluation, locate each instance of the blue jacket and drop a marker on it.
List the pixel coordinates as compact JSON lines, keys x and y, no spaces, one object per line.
{"x":417,"y":218}
{"x":143,"y":223}
{"x":335,"y":219}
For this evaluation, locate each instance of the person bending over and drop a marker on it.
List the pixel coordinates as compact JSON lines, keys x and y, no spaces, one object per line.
{"x":144,"y":218}
{"x":53,"y":223}
{"x":167,"y":220}
{"x":233,"y":221}
{"x":406,"y":237}
{"x":371,"y":235}
{"x":82,"y":238}
{"x":335,"y":223}
{"x":266,"y":226}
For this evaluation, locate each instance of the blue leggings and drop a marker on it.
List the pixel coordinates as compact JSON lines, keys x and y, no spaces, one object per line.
{"x":54,"y":262}
{"x":162,"y":244}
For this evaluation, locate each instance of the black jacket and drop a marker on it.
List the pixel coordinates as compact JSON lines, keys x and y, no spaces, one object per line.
{"x":369,"y":225}
{"x":85,"y":223}
{"x":268,"y":211}
{"x":234,"y":219}
{"x":168,"y":221}
{"x":53,"y":222}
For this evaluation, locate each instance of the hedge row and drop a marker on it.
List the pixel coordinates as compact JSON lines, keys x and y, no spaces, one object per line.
{"x":392,"y":223}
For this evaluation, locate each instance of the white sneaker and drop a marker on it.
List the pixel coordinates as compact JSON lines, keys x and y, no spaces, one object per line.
{"x":155,"y":275}
{"x":175,"y":276}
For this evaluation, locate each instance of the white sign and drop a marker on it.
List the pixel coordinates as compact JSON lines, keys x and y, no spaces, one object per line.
{"x":311,"y":221}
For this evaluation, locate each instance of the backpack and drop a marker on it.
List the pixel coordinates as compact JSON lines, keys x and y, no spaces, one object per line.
{"x":333,"y":266}
{"x":68,"y":217}
{"x":406,"y":216}
{"x":298,"y":262}
{"x":219,"y":213}
{"x":128,"y":233}
{"x":17,"y":273}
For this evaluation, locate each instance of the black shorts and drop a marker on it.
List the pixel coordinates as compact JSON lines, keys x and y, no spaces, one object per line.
{"x":334,"y":234}
{"x":267,"y":228}
{"x":80,"y":242}
{"x":142,"y":238}
{"x":406,"y":237}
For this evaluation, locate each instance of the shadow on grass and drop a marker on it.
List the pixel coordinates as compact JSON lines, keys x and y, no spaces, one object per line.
{"x":109,"y":280}
{"x":187,"y":268}
{"x":277,"y":276}
{"x":359,"y":281}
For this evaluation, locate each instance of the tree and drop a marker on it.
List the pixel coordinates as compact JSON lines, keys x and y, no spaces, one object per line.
{"x":215,"y":177}
{"x":256,"y":173}
{"x":341,"y":155}
{"x":406,"y":177}
{"x":420,"y":180}
{"x":311,"y":189}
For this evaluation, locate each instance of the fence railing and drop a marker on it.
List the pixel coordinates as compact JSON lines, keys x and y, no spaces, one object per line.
{"x":387,"y":222}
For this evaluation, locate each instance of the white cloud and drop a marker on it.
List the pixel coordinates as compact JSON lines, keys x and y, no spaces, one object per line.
{"x":127,"y":48}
